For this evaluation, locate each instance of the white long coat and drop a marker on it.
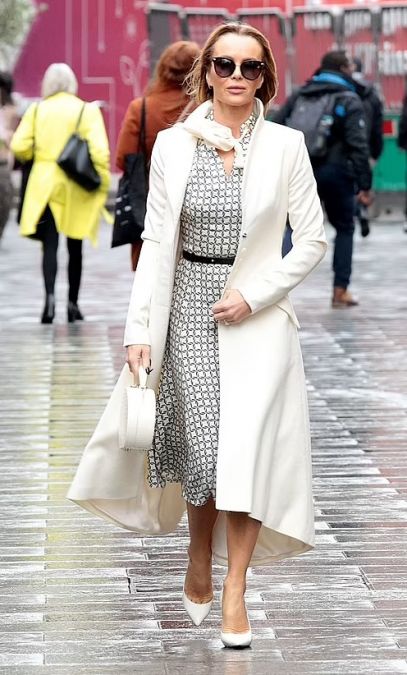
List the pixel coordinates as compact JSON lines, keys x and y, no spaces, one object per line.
{"x":264,"y":464}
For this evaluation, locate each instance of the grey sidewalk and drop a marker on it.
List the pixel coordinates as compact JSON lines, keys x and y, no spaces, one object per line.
{"x":80,"y":596}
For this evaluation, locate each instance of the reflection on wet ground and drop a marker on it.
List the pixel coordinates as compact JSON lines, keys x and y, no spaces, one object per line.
{"x":81,"y":596}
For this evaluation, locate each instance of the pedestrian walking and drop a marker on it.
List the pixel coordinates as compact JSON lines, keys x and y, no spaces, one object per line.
{"x":54,"y":203}
{"x":8,"y":123}
{"x":373,"y":107}
{"x":165,"y":100}
{"x":210,"y":313}
{"x":330,"y":113}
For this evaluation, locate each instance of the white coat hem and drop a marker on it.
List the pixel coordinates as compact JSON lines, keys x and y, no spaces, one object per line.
{"x":95,"y":506}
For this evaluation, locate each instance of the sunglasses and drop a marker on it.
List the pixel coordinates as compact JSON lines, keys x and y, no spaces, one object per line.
{"x":250,"y":69}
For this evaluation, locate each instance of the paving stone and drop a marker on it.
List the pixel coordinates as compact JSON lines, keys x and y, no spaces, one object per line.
{"x":78,"y":595}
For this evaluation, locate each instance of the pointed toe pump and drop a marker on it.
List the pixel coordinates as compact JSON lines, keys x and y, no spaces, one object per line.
{"x":237,"y":640}
{"x":196,"y":611}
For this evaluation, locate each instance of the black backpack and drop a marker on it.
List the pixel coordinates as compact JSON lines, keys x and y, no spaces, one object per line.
{"x":314,"y":116}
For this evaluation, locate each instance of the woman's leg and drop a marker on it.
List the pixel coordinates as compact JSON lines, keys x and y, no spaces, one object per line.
{"x":74,"y":268}
{"x":49,"y":237}
{"x":198,"y":581}
{"x":242,"y":533}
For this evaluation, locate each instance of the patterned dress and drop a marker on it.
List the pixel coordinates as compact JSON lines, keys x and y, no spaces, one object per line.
{"x":186,"y":437}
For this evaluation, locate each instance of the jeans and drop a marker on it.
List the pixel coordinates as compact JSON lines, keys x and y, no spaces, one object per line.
{"x":49,"y":238}
{"x":336,"y":190}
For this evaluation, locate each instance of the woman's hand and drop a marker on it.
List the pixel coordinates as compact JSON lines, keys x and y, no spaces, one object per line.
{"x":232,"y":309}
{"x":138,"y":355}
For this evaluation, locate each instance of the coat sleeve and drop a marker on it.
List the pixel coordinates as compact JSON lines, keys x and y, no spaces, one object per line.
{"x":22,"y":142}
{"x":271,"y":285}
{"x":93,"y":129}
{"x":128,"y":140}
{"x":136,"y":331}
{"x":356,"y":142}
{"x":376,"y":131}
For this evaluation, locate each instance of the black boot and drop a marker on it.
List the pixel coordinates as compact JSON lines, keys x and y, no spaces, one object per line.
{"x":74,"y":313}
{"x":49,"y":309}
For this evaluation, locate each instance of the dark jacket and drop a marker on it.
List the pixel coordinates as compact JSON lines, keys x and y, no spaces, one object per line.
{"x":373,"y":108}
{"x":402,"y":135}
{"x":348,"y":143}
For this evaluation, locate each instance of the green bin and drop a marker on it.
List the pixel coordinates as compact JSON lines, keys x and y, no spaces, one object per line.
{"x":390,"y":172}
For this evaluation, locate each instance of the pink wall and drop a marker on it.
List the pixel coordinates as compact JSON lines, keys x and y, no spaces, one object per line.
{"x":104,"y":41}
{"x":233,"y":5}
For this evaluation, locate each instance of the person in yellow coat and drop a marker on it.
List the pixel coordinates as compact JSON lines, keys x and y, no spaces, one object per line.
{"x":53,"y":203}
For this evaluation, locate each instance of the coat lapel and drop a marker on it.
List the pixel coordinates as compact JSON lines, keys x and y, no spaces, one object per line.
{"x":179,"y":162}
{"x":177,"y":170}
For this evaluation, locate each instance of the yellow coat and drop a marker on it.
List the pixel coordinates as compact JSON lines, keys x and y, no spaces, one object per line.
{"x":76,"y":211}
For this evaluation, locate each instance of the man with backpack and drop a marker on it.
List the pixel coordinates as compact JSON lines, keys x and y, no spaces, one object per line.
{"x":373,"y":107}
{"x":330,"y":113}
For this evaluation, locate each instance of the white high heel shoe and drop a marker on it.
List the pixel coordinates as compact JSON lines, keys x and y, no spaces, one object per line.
{"x":197,"y":611}
{"x":237,"y":640}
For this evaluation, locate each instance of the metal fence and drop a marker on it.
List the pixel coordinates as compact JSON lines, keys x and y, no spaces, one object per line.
{"x":377,"y":35}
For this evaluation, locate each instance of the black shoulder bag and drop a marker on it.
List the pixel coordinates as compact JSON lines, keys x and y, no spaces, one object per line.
{"x":76,"y":161}
{"x":130,"y":206}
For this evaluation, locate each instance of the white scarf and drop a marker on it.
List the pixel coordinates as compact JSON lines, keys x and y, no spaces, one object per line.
{"x":216,"y":136}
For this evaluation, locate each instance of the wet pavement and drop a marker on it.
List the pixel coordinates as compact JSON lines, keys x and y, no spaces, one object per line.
{"x":78,"y":595}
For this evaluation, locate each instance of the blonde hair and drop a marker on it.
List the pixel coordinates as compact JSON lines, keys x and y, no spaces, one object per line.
{"x":58,"y":77}
{"x":196,"y":82}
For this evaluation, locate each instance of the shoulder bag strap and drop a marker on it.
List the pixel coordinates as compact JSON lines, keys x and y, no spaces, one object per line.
{"x":34,"y":125}
{"x":142,"y":135}
{"x":79,"y":118}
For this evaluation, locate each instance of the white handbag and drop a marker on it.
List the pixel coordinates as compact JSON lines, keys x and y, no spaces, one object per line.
{"x":137,"y":418}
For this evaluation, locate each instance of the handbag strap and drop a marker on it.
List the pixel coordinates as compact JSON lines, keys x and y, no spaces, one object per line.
{"x":142,"y":377}
{"x":79,"y":118}
{"x":34,"y":125}
{"x":142,"y":134}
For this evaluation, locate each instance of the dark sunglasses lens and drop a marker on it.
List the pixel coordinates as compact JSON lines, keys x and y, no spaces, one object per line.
{"x":224,"y":67}
{"x":251,"y":69}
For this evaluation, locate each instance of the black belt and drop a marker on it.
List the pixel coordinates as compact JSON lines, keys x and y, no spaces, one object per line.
{"x":208,"y":260}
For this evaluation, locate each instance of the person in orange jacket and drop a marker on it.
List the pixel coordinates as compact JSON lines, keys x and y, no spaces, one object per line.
{"x":165,"y":101}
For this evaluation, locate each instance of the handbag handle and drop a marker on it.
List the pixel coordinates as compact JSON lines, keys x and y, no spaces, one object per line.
{"x":142,"y":378}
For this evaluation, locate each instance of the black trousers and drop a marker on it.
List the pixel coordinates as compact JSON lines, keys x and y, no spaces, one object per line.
{"x":50,"y":238}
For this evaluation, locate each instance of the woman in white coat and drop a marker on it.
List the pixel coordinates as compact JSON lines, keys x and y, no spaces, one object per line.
{"x":210,"y":310}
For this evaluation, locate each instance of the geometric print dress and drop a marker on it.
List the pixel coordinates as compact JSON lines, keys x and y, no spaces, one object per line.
{"x":185,"y":444}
